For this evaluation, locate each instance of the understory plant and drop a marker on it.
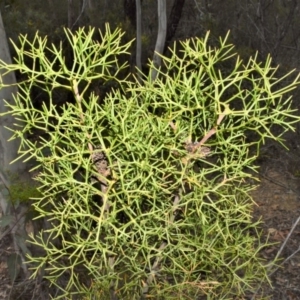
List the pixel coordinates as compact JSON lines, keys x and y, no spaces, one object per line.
{"x":147,"y":190}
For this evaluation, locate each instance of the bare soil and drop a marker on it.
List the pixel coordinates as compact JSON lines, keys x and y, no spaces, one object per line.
{"x":278,"y":206}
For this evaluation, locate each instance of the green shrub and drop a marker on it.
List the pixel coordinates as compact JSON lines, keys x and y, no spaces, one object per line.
{"x":147,"y":192}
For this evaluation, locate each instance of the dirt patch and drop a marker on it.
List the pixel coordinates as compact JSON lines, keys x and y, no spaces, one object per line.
{"x":278,"y":205}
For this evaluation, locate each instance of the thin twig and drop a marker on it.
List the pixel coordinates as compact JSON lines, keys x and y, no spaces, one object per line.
{"x":13,"y":229}
{"x":81,"y":13}
{"x":155,"y":267}
{"x":279,"y":253}
{"x":5,"y":182}
{"x":284,"y":244}
{"x":287,"y":238}
{"x":10,"y":228}
{"x":154,"y":270}
{"x":211,"y":132}
{"x":288,"y":258}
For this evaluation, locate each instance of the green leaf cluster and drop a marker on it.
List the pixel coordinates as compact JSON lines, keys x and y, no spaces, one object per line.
{"x":148,"y":192}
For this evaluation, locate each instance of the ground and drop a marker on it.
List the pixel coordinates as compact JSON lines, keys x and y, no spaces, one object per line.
{"x":278,"y":206}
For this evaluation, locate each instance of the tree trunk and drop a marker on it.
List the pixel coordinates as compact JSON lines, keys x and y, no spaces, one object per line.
{"x":90,"y":4}
{"x":8,"y":150}
{"x":161,"y":37}
{"x":173,"y":21}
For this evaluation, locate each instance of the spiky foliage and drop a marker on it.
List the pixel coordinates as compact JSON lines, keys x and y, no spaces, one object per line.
{"x":147,"y":191}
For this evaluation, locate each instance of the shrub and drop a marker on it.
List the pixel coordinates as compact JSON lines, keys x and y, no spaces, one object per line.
{"x":148,"y":192}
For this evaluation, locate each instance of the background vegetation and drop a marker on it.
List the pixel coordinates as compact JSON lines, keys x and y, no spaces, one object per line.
{"x":266,"y":26}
